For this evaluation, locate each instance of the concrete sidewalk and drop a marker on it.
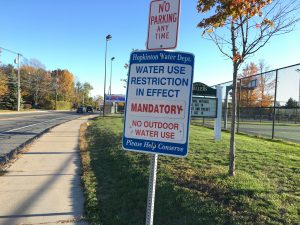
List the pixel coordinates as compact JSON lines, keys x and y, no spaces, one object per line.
{"x":43,"y":185}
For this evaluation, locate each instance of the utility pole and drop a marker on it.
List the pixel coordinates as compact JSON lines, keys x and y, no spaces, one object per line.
{"x":19,"y":85}
{"x":56,"y":89}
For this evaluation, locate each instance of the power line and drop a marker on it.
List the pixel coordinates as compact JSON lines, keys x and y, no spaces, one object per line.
{"x":8,"y":50}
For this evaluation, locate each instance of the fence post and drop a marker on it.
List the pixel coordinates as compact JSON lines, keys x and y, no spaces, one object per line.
{"x":218,"y":120}
{"x":296,"y":115}
{"x":228,"y":88}
{"x":274,"y":106}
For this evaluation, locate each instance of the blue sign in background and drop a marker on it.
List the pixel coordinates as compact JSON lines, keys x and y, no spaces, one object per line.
{"x":115,"y":98}
{"x":152,"y":146}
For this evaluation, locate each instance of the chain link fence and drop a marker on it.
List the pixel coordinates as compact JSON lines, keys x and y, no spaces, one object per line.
{"x":268,"y":104}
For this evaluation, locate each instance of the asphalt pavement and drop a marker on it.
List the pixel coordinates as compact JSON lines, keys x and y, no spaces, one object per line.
{"x":16,"y":129}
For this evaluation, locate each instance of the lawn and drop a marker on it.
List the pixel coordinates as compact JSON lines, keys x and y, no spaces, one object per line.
{"x":193,"y":190}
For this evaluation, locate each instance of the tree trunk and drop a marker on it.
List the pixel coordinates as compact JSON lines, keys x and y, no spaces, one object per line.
{"x":233,"y":119}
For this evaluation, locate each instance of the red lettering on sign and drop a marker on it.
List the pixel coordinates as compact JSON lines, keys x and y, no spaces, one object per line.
{"x":136,"y":123}
{"x":156,"y":108}
{"x":167,"y":135}
{"x":165,"y":7}
{"x":146,"y":133}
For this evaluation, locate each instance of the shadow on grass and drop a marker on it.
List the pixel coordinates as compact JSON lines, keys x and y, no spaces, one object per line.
{"x":122,"y":188}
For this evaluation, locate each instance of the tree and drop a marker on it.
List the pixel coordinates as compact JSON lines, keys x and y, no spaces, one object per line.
{"x":10,"y":99}
{"x":65,"y":85}
{"x":254,"y":89}
{"x":3,"y":84}
{"x":82,"y":94}
{"x":291,"y":103}
{"x":35,"y":85}
{"x":87,"y":87}
{"x":239,"y":28}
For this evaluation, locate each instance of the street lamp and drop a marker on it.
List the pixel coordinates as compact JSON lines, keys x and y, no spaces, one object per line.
{"x":108,"y":38}
{"x":111,"y":60}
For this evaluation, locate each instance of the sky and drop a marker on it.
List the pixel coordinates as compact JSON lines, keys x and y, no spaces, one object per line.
{"x":70,"y":34}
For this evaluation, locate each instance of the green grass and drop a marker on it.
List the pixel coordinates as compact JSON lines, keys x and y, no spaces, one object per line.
{"x":193,"y":190}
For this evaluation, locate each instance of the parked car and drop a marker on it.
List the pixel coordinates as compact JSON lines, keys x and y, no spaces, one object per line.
{"x":89,"y":109}
{"x":81,"y":109}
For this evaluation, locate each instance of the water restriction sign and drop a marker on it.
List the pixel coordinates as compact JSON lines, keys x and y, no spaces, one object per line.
{"x":163,"y":24}
{"x":159,"y":92}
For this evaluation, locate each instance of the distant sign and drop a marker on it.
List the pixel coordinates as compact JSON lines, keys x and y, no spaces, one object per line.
{"x":204,"y":107}
{"x":115,"y":98}
{"x":203,"y":90}
{"x":159,"y":91}
{"x":163,"y":24}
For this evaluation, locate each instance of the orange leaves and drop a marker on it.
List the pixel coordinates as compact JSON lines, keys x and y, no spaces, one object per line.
{"x":225,"y":9}
{"x":66,"y":84}
{"x":3,"y":85}
{"x":237,"y":57}
{"x":267,"y":22}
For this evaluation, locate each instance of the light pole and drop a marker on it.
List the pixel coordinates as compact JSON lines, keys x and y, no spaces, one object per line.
{"x":108,"y":38}
{"x":111,"y":60}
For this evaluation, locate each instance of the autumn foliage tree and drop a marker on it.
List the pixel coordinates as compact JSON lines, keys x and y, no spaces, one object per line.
{"x":35,"y":85}
{"x":9,"y":98}
{"x":65,"y":85}
{"x":239,"y":28}
{"x":3,"y":84}
{"x":40,"y":88}
{"x":255,"y":87}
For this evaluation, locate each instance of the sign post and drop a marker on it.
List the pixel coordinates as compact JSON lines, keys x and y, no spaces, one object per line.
{"x":159,"y":93}
{"x":151,"y":189}
{"x":157,"y":116}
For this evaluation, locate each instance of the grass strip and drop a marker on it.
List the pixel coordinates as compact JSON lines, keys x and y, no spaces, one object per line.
{"x":88,"y":179}
{"x":194,"y":190}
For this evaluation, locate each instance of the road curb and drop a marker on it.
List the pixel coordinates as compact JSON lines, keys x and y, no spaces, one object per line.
{"x":5,"y":159}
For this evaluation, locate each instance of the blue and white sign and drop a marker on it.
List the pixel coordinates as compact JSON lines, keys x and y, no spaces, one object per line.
{"x":115,"y":98}
{"x":158,"y":102}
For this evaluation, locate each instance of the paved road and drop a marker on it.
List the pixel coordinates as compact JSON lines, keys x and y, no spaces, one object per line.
{"x":17,"y":128}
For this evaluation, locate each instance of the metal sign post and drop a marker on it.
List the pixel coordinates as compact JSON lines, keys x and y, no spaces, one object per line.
{"x":151,"y":190}
{"x":158,"y":108}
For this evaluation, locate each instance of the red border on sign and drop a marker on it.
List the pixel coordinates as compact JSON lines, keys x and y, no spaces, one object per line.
{"x":149,"y":27}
